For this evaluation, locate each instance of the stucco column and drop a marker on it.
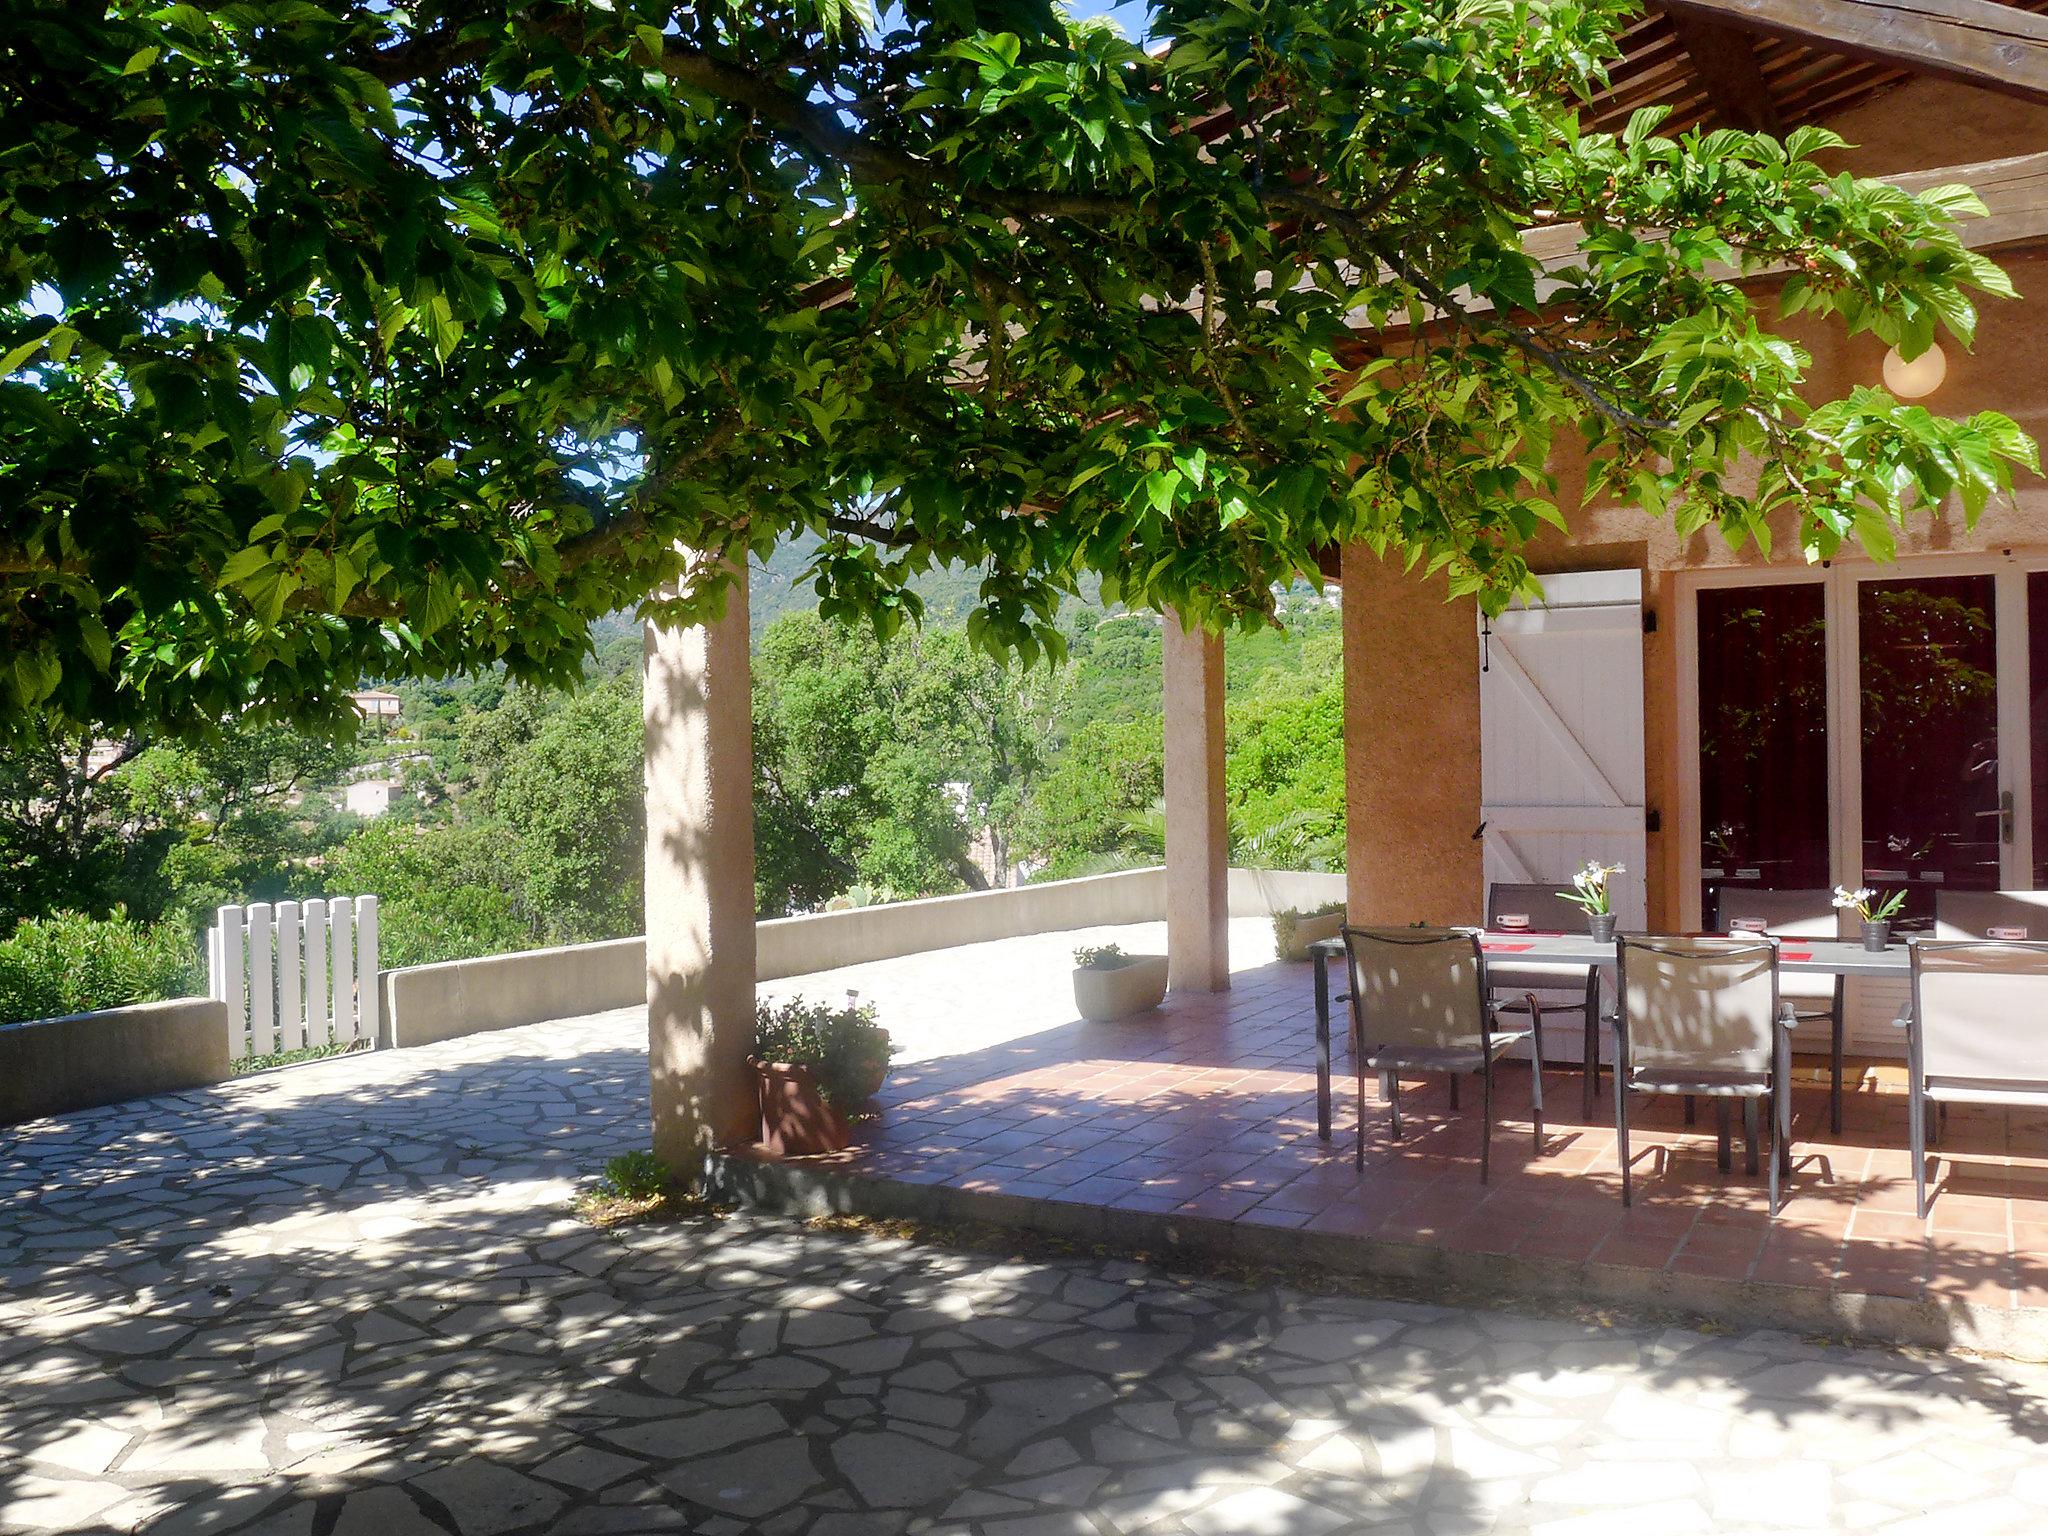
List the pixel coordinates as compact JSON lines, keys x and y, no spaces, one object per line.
{"x":1197,"y":826}
{"x":696,"y":701}
{"x":1411,"y":745}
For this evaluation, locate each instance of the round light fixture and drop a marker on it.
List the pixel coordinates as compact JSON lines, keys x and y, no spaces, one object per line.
{"x":1921,"y":376}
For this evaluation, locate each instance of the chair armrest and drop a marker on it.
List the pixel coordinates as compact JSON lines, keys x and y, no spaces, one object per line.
{"x":1905,"y":1016}
{"x":1788,"y":1015}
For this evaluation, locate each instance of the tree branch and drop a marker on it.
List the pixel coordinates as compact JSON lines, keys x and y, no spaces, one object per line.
{"x":1368,"y":247}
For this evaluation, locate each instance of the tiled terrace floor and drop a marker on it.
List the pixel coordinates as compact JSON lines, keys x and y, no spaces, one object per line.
{"x":1207,"y":1108}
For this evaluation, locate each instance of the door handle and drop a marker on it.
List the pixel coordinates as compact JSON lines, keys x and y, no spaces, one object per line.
{"x":2005,"y":816}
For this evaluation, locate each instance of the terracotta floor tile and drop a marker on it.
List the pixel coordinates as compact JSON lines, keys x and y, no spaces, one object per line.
{"x":1210,"y":1108}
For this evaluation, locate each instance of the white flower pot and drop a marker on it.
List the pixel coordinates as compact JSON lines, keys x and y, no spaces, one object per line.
{"x":1102,"y":995}
{"x":1307,"y":931}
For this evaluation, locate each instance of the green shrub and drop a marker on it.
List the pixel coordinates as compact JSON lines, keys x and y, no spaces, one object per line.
{"x":1101,"y":957}
{"x":847,"y":1048}
{"x":635,"y":1176}
{"x":71,"y":963}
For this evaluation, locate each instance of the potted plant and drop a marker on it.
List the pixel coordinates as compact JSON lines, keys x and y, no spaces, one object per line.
{"x":1877,"y":915}
{"x":816,"y":1068}
{"x":1109,"y":984}
{"x":1294,"y":931}
{"x":1589,"y":895}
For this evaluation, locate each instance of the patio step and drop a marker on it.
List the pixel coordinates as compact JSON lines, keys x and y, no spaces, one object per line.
{"x":812,"y":1188}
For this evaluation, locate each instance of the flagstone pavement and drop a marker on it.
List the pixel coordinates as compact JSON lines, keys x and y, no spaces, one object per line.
{"x":350,"y":1300}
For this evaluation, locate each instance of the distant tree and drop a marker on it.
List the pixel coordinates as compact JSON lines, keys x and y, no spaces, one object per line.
{"x":61,"y":829}
{"x":444,"y":892}
{"x":881,"y":763}
{"x":168,"y":828}
{"x":1081,"y":816}
{"x":573,"y":796}
{"x":228,"y":808}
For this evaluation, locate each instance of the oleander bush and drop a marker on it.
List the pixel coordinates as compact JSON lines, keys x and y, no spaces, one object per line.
{"x":71,"y":963}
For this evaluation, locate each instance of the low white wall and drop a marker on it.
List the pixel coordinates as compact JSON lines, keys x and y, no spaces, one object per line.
{"x":425,"y":1003}
{"x":1262,"y":892}
{"x":53,"y":1066}
{"x":464,"y":997}
{"x":824,"y":941}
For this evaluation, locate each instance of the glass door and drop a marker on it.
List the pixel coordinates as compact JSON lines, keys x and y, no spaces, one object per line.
{"x":1927,"y":694}
{"x":1867,"y":725}
{"x":1763,"y":741}
{"x":2036,"y":713}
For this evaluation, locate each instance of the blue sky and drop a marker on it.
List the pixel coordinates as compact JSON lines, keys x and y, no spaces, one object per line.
{"x":1129,"y":12}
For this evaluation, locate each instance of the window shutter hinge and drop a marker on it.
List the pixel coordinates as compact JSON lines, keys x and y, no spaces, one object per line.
{"x":1649,"y":621}
{"x":1653,"y":820}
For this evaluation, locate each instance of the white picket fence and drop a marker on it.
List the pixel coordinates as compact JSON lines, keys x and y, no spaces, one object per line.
{"x":296,"y":974}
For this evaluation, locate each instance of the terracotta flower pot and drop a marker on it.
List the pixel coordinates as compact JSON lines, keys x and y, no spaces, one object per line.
{"x":877,"y":1072}
{"x":797,"y":1120}
{"x":1103,"y":994}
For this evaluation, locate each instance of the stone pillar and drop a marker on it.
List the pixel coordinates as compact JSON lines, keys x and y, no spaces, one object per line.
{"x":697,"y":704}
{"x":1197,"y":826}
{"x":1411,"y":745}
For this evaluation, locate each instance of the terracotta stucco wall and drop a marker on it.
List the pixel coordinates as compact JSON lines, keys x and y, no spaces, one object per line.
{"x":1411,"y":745}
{"x":1412,"y":699}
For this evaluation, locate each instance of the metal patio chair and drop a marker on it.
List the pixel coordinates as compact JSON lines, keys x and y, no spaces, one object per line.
{"x":1548,"y":912}
{"x":1419,"y":1004}
{"x":1700,"y":1015}
{"x":1796,"y":914}
{"x":1976,"y":1032}
{"x":2021,"y":915}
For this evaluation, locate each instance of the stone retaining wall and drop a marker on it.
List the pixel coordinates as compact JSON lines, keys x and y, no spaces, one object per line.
{"x":53,"y":1066}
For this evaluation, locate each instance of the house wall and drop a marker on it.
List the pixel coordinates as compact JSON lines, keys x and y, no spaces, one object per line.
{"x":1411,"y":680}
{"x":1411,"y":745}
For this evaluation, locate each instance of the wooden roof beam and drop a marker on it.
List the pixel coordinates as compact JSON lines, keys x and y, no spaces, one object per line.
{"x":1725,"y":60}
{"x":1981,"y":42}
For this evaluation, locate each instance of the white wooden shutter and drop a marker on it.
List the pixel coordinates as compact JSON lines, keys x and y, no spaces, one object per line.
{"x":1561,"y":736}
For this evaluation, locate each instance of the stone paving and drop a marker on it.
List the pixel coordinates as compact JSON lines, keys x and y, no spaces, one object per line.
{"x":349,"y":1300}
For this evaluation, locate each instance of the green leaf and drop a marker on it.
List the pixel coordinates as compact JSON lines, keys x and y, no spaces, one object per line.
{"x":244,"y":564}
{"x":96,"y":642}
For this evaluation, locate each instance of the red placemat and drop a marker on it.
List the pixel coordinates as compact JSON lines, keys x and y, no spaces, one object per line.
{"x":1795,"y":954}
{"x":1498,"y":947}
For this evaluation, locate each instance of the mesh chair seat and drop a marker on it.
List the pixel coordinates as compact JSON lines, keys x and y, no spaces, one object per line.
{"x":1706,"y":1085}
{"x":1977,"y":1028}
{"x":1419,"y":1004}
{"x":1795,"y":914}
{"x":1433,"y":1058}
{"x":1700,"y":1015}
{"x":1963,"y":1090}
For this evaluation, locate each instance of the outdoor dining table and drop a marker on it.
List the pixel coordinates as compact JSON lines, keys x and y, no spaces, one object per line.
{"x":1796,"y":956}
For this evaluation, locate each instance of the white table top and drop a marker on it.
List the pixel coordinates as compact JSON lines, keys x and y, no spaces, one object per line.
{"x":1824,"y":957}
